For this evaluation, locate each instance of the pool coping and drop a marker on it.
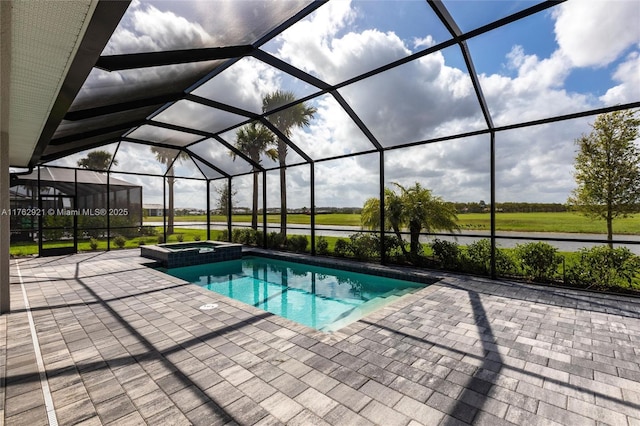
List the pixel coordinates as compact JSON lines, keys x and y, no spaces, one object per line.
{"x":387,"y":271}
{"x":192,"y":255}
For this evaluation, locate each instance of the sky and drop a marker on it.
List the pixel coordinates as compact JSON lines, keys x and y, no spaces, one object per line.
{"x":577,"y":56}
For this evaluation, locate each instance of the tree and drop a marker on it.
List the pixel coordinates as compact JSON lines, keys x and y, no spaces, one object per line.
{"x":223,"y":198}
{"x":254,"y":140}
{"x":168,"y":157}
{"x":608,"y":169}
{"x":370,"y":215}
{"x":298,"y":115}
{"x":97,"y":160}
{"x":415,"y":208}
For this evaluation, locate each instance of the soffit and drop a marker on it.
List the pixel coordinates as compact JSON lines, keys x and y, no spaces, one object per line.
{"x":44,"y":38}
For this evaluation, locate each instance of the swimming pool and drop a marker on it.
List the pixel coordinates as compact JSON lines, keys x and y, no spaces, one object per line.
{"x":323,"y":298}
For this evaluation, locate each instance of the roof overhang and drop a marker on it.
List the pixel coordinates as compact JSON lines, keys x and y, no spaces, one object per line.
{"x":48,"y":50}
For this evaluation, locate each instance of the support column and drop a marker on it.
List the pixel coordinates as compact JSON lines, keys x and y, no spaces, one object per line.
{"x":208,"y":209}
{"x":493,"y":205}
{"x":5,"y":80}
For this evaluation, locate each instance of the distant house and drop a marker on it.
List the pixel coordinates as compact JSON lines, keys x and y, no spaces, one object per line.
{"x":87,"y":195}
{"x":152,"y":209}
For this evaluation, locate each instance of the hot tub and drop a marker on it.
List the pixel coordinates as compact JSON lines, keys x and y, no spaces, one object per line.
{"x":175,"y":255}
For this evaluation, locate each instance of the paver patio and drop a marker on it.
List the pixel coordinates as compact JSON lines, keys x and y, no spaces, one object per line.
{"x":124,"y":344}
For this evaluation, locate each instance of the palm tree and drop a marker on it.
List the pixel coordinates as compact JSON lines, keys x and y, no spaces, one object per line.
{"x":97,"y":160}
{"x":415,"y":208}
{"x":370,"y":216}
{"x":166,"y":156}
{"x":298,"y":115}
{"x":253,"y":140}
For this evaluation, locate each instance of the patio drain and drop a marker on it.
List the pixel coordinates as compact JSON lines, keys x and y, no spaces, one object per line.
{"x":208,"y":306}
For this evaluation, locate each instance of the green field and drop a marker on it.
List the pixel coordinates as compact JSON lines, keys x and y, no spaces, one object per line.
{"x":526,"y":222}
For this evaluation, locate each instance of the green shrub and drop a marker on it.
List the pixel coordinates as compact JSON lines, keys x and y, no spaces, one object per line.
{"x":160,"y":239}
{"x":258,"y":237}
{"x":93,"y":244}
{"x":141,"y":242}
{"x":196,"y":238}
{"x":297,"y":243}
{"x":602,"y":267}
{"x":92,"y":226}
{"x":119,"y":241}
{"x":539,"y":260}
{"x":180,"y":237}
{"x":148,"y":231}
{"x":364,"y":246}
{"x":341,"y":248}
{"x":275,"y":240}
{"x":392,"y":245}
{"x":322,"y":246}
{"x":479,"y":259}
{"x":448,"y":252}
{"x":243,"y":236}
{"x":54,"y":222}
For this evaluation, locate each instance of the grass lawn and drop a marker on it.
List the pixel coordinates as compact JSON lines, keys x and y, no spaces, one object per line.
{"x":525,"y":222}
{"x":550,"y":222}
{"x":343,"y":219}
{"x":29,"y":248}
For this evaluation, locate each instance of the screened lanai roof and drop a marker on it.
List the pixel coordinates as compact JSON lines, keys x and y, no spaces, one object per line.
{"x":185,"y":76}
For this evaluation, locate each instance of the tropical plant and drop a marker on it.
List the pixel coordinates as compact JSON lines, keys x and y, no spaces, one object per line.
{"x":97,"y":160}
{"x":608,"y":169}
{"x":254,"y":140}
{"x":393,"y":211}
{"x":168,"y":157}
{"x":415,"y":208}
{"x":298,"y":115}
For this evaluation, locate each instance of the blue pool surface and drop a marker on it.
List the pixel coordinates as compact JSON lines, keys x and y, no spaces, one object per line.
{"x":323,"y":298}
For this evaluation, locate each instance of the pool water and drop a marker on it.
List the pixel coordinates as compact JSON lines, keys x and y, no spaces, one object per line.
{"x":323,"y":298}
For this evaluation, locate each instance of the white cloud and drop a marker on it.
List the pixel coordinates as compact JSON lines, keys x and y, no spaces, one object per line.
{"x":150,"y":29}
{"x":243,"y":85}
{"x":537,"y":91}
{"x":424,"y":42}
{"x":595,"y":33}
{"x":330,"y":128}
{"x":628,"y":75}
{"x":416,"y":101}
{"x":316,"y":45}
{"x":345,"y":182}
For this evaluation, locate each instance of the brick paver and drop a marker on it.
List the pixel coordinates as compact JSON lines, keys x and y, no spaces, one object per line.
{"x":126,"y":344}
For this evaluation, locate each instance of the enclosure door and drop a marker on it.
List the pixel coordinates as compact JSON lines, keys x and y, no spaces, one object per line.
{"x":58,"y":225}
